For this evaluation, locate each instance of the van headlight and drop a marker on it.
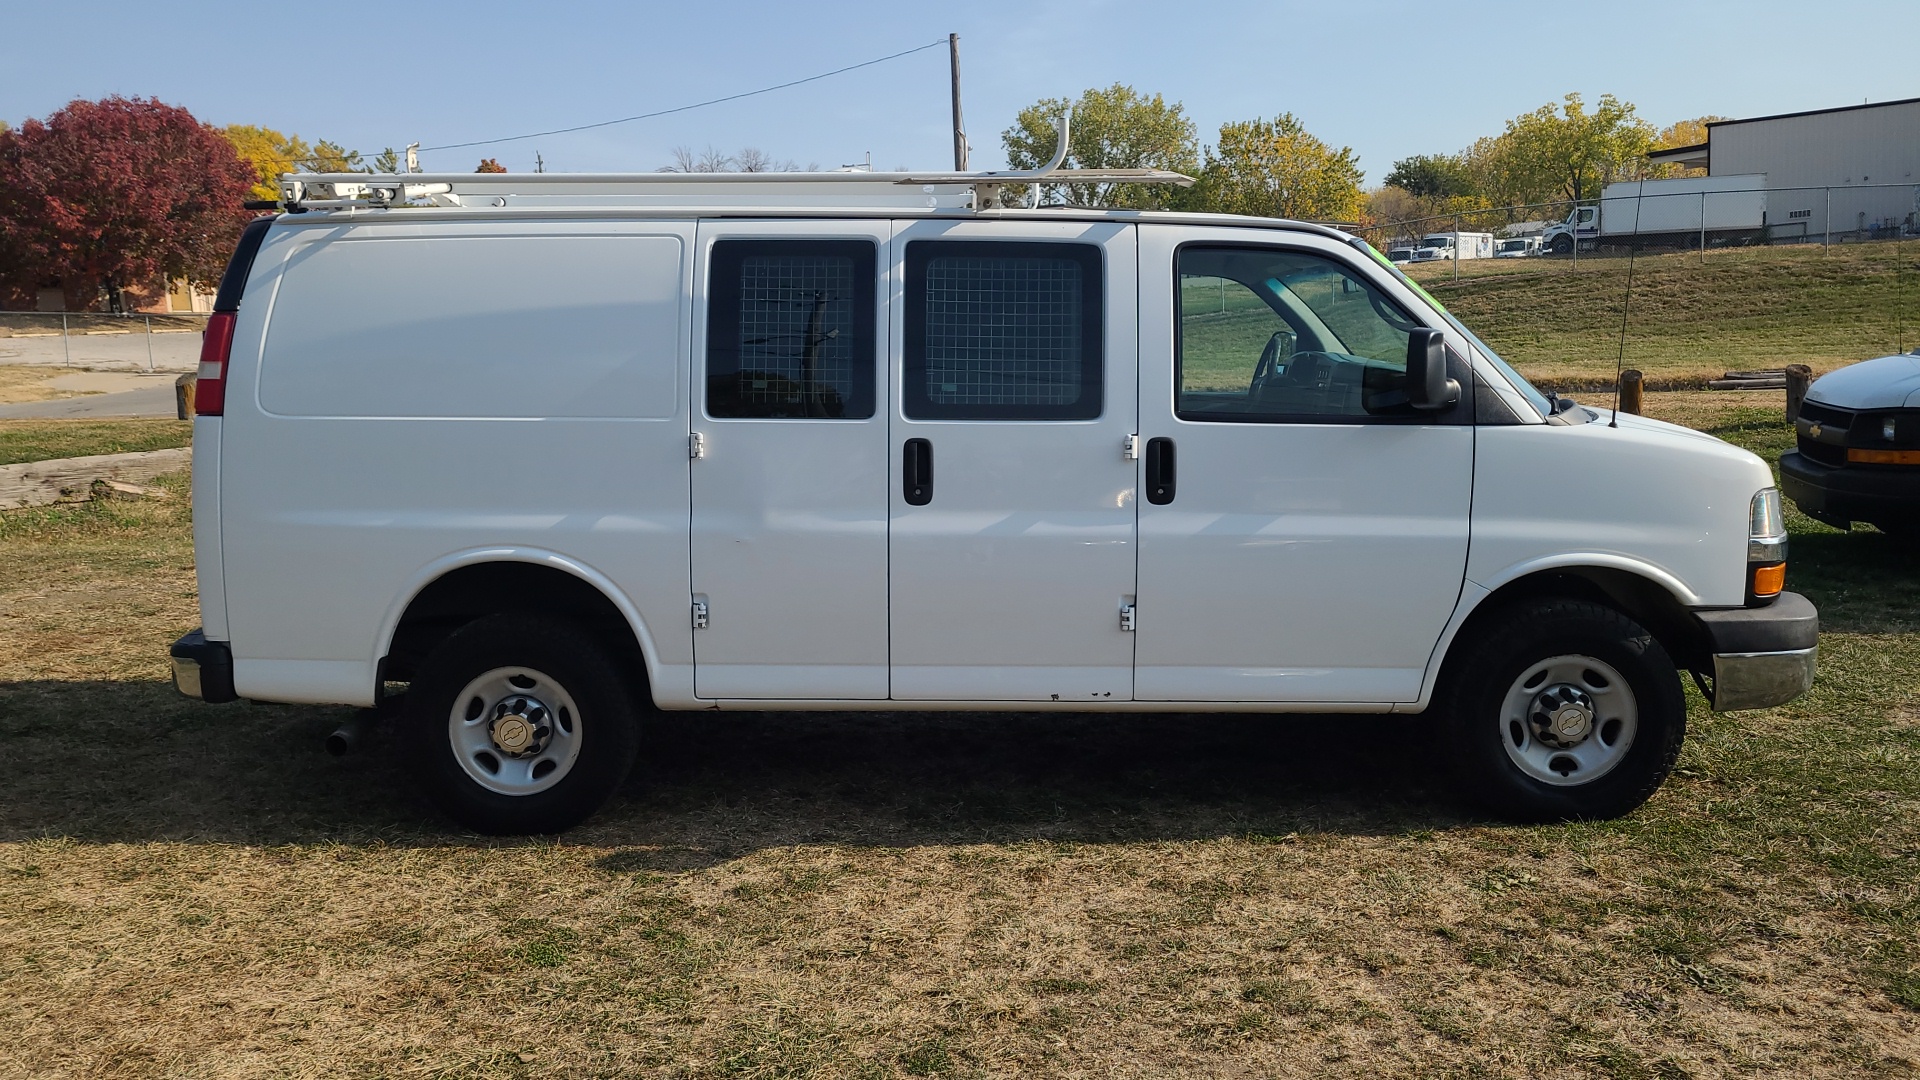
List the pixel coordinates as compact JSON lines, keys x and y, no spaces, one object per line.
{"x":1766,"y":546}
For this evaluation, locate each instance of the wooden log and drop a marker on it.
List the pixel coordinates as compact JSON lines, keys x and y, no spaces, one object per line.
{"x":183,"y":395}
{"x":1798,"y":376}
{"x":1632,"y":383}
{"x":40,"y":483}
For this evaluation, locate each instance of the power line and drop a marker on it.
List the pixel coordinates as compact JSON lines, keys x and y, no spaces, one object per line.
{"x":697,"y":105}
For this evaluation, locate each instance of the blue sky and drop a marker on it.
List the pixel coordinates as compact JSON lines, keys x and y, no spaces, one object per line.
{"x":1388,"y":79}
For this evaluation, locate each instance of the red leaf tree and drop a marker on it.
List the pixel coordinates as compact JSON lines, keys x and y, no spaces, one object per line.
{"x":115,"y":194}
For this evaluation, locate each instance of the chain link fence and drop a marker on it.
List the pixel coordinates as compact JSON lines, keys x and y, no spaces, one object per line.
{"x":102,"y":342}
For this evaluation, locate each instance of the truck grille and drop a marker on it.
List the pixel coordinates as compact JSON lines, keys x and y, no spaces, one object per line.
{"x":1822,"y":453}
{"x":1832,"y":421}
{"x":1826,"y":415}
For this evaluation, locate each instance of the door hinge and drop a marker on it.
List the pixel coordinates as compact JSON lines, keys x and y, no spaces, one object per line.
{"x":1126,"y":617}
{"x":699,"y":614}
{"x":1131,"y":448}
{"x":696,"y":445}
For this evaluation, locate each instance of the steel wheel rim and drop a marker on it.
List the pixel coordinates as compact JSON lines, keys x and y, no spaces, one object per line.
{"x":1568,"y":720}
{"x":515,"y":731}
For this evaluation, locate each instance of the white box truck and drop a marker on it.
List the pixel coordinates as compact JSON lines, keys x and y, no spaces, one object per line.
{"x":1434,"y":247}
{"x":1692,"y":211}
{"x":561,"y":450}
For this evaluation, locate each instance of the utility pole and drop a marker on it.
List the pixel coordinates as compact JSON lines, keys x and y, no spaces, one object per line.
{"x":539,"y":164}
{"x":959,"y":126}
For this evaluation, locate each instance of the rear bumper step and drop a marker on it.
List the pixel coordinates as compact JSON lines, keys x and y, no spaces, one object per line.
{"x":203,"y":669}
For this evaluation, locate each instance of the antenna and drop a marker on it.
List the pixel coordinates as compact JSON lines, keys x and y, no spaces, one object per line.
{"x":1626,"y":302}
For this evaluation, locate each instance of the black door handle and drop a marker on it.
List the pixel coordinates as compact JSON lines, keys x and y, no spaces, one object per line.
{"x":916,"y":472}
{"x":1160,"y":471}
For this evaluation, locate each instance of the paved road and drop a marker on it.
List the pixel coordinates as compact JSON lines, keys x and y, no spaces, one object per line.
{"x":174,"y":352}
{"x":156,"y":400}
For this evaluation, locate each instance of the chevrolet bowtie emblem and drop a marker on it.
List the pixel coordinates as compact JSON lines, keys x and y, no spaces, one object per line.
{"x":1814,"y":431}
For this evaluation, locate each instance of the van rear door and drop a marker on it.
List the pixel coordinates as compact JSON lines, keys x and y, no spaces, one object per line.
{"x":789,"y":525}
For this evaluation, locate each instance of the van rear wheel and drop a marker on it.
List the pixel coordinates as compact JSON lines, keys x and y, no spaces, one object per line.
{"x":520,"y":724}
{"x":1565,"y":710}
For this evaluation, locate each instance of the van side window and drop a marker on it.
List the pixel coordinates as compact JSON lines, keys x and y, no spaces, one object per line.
{"x":790,"y":329}
{"x":1285,"y":336}
{"x":1002,"y":331}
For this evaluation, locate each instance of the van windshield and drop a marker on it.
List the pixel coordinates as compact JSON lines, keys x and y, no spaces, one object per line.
{"x":1534,"y":397}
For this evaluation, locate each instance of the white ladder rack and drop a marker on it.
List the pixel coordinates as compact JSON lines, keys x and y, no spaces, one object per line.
{"x":300,"y":192}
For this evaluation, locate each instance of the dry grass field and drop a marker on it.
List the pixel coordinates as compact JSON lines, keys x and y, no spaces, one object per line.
{"x":198,"y":891}
{"x":1691,"y":318}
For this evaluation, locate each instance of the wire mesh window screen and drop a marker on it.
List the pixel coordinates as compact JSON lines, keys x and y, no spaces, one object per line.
{"x":1003,"y":331}
{"x":795,"y":318}
{"x":791,"y":333}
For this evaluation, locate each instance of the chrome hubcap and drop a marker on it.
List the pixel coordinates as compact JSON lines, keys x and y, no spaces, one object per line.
{"x":515,"y":731}
{"x":1568,"y":720}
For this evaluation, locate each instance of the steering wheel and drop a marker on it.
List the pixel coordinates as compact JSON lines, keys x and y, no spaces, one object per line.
{"x":1277,"y":352}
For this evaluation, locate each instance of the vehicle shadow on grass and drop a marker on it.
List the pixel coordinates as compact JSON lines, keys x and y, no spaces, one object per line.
{"x":1863,"y":582}
{"x":112,"y":762}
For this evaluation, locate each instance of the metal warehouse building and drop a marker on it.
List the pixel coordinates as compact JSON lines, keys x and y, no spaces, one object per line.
{"x":1854,"y":170}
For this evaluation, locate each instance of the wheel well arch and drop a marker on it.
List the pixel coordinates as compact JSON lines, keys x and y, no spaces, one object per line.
{"x":475,"y":590}
{"x":1636,"y":596}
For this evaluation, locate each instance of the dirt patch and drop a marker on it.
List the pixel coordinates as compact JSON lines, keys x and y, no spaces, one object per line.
{"x":19,"y":382}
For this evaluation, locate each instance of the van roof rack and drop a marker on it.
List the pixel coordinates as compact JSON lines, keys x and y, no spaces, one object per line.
{"x":301,"y":192}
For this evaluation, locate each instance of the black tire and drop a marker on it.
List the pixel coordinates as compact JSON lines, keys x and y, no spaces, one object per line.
{"x":1562,"y":245}
{"x":606,"y":725}
{"x":1512,"y":642}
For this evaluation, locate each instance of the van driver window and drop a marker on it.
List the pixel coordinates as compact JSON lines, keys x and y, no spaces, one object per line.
{"x":1270,"y":335}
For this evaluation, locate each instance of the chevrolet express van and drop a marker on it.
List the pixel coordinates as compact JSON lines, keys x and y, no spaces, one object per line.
{"x":553,"y":451}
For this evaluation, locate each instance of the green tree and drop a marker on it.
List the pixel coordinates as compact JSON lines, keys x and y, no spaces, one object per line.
{"x":1115,"y":128}
{"x":387,"y":163}
{"x":331,"y":157}
{"x":1431,"y":176}
{"x":1564,"y":151}
{"x":1274,"y":168}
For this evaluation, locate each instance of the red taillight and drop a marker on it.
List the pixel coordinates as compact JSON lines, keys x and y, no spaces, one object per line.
{"x":210,"y":387}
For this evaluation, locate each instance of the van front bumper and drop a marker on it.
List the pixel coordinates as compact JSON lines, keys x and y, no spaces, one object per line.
{"x":1763,"y":656}
{"x":203,"y":669}
{"x":1840,"y":496}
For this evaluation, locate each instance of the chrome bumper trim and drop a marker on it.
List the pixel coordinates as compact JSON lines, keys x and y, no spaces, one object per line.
{"x":186,"y":676}
{"x":1761,"y":680}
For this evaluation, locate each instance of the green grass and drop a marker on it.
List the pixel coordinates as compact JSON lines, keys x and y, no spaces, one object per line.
{"x":1691,"y":318}
{"x":40,"y":440}
{"x":196,"y":890}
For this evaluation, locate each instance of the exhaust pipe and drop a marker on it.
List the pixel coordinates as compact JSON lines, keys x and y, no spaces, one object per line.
{"x":354,"y":733}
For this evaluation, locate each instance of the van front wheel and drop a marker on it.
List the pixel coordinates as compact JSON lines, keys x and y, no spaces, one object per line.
{"x":520,"y":724}
{"x":1566,"y":710}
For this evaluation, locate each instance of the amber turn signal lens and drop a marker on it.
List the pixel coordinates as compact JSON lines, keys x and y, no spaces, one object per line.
{"x":1769,"y":580}
{"x":1885,"y":457}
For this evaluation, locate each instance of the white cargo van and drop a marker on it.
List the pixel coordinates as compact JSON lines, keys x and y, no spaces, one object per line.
{"x":557,"y":450}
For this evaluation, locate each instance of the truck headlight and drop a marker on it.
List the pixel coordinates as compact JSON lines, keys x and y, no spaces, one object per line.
{"x":1766,"y":546}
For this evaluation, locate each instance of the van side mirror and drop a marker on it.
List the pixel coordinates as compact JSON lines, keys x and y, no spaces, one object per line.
{"x":1428,"y":387}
